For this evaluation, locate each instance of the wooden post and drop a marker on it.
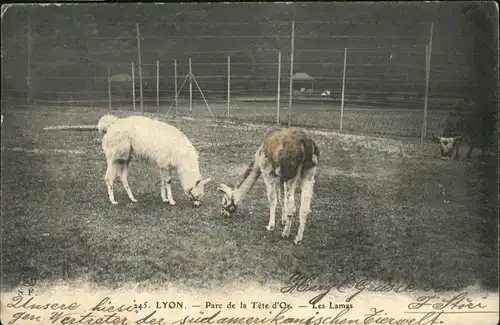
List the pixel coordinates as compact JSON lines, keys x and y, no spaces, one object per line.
{"x":190,"y":88}
{"x":157,"y":85}
{"x":109,"y":90}
{"x":279,"y":90}
{"x":228,"y":84}
{"x":291,"y":77}
{"x":140,"y":67}
{"x":175,"y":83}
{"x":343,"y":90}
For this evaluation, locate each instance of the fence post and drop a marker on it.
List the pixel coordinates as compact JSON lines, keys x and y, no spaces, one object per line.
{"x":109,"y":90}
{"x":291,"y":77}
{"x":424,"y":122}
{"x":28,"y":79}
{"x":228,"y":83}
{"x":279,"y":90}
{"x":343,"y":90}
{"x":157,"y":85}
{"x":140,"y":67}
{"x":175,"y":84}
{"x":133,"y":87}
{"x":190,"y":88}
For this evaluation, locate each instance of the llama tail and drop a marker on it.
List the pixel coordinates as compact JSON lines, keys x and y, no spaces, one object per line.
{"x":311,"y":153}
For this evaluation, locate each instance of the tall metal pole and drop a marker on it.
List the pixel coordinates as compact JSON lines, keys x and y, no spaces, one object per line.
{"x":140,"y":66}
{"x":228,"y":84}
{"x":175,"y":83}
{"x":28,"y":77}
{"x":133,"y":87}
{"x":109,"y":90}
{"x":428,"y":68}
{"x":291,"y":77}
{"x":428,"y":53}
{"x":343,"y":90}
{"x":157,"y":85}
{"x":279,"y":90}
{"x":190,"y":88}
{"x":424,"y":122}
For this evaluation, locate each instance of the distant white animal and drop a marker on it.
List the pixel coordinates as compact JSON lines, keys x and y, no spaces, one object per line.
{"x":449,"y":147}
{"x":2,"y":119}
{"x":302,"y":90}
{"x":325,"y":93}
{"x":147,"y":139}
{"x":286,"y":158}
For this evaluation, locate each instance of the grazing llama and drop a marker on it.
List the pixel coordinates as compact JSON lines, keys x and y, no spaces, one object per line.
{"x":286,"y":158}
{"x":150,"y":140}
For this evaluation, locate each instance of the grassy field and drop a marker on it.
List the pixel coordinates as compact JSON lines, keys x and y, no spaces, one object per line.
{"x":376,"y":213}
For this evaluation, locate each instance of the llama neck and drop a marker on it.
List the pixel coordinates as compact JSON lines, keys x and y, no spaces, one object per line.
{"x":189,"y":174}
{"x":249,"y":178}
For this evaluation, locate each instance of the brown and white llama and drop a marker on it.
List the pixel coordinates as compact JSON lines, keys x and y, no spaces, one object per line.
{"x":286,"y":158}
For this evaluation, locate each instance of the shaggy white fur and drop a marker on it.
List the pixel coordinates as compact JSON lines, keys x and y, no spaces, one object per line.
{"x":105,"y":122}
{"x":150,"y":140}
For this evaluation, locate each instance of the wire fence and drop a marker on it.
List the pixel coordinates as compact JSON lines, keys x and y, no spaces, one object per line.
{"x":310,"y":73}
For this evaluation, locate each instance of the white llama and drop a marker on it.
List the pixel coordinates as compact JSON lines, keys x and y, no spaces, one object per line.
{"x":286,"y":158}
{"x":147,"y":139}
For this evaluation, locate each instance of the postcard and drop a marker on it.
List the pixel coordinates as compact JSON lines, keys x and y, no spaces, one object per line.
{"x":314,"y":163}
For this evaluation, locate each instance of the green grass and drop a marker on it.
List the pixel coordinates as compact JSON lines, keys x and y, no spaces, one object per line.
{"x":419,"y":220}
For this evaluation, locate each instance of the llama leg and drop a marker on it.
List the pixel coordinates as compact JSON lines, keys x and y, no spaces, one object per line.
{"x":271,"y":196}
{"x":305,"y":203}
{"x":166,"y":178}
{"x":281,"y":193}
{"x":109,"y":178}
{"x":124,"y":178}
{"x":289,"y":205}
{"x":163,"y":185}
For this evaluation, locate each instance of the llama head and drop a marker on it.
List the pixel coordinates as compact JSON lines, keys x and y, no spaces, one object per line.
{"x":198,"y":191}
{"x":447,"y":145}
{"x":105,"y":122}
{"x":228,"y":204}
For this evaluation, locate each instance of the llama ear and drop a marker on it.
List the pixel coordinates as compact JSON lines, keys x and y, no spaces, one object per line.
{"x":203,"y":182}
{"x":224,"y":189}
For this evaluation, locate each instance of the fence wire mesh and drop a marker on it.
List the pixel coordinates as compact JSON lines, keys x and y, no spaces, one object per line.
{"x":235,"y":69}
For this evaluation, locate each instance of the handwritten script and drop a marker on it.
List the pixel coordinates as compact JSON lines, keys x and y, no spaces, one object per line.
{"x":302,"y":283}
{"x":421,"y":310}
